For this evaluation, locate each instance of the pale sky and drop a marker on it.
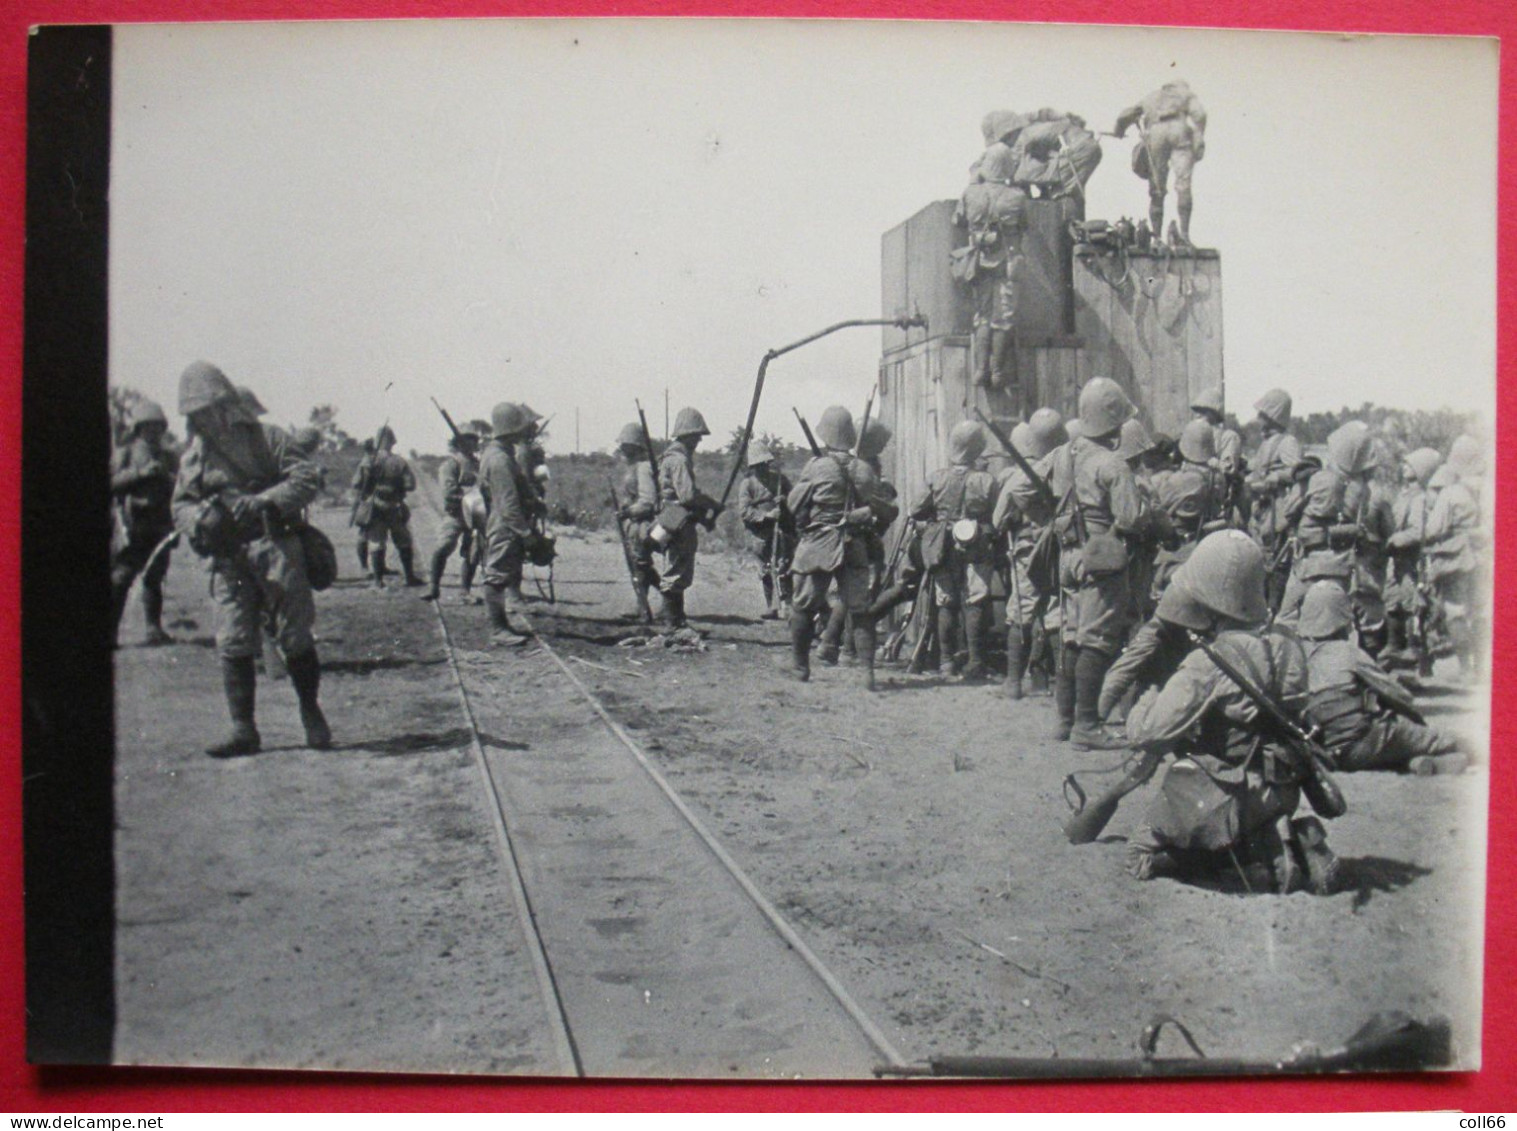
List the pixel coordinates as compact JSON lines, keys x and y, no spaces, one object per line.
{"x":577,"y":213}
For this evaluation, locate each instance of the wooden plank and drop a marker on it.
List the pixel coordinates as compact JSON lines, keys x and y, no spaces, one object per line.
{"x":894,"y":292}
{"x":1204,"y":328}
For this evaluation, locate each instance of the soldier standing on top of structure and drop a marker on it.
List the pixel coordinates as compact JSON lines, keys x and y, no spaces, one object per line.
{"x":993,"y":211}
{"x":238,"y":500}
{"x":681,"y":505}
{"x":833,"y":502}
{"x":457,"y":474}
{"x":771,"y":531}
{"x":389,"y":481}
{"x":142,"y":488}
{"x":959,"y":548}
{"x":1172,"y":125}
{"x":1056,"y":154}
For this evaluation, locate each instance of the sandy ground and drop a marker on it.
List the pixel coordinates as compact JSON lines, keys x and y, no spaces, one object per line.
{"x":346,"y":910}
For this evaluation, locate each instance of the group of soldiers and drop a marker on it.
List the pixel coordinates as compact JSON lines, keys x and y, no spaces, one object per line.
{"x":1051,"y":153}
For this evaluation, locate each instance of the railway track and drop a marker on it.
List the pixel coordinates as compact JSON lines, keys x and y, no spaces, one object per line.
{"x":654,"y":952}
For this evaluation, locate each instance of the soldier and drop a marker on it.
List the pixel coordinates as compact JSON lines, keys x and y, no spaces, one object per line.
{"x":834,"y":505}
{"x":1332,"y":524}
{"x":1363,"y":715}
{"x":1228,"y":444}
{"x":1405,"y":594}
{"x":1057,"y":154}
{"x":1271,"y":482}
{"x":238,"y":500}
{"x":1229,"y":797}
{"x":1190,"y":501}
{"x":681,"y":505}
{"x":760,"y":503}
{"x":458,"y":473}
{"x":1143,"y":454}
{"x":250,"y":401}
{"x":1453,"y":566}
{"x":307,"y":442}
{"x":142,"y":489}
{"x":1101,"y":509}
{"x":993,"y":210}
{"x":388,"y":481}
{"x":638,"y":503}
{"x":358,"y":516}
{"x":958,"y":546}
{"x":508,"y":494}
{"x":883,"y":502}
{"x":1026,"y":607}
{"x":1172,"y":125}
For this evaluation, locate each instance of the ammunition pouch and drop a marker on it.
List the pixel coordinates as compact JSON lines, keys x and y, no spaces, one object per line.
{"x":539,"y":547}
{"x":670,"y":521}
{"x":214,"y":532}
{"x":1104,"y":554}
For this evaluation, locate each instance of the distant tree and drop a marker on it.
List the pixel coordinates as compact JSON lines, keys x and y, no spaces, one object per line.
{"x":324,"y":418}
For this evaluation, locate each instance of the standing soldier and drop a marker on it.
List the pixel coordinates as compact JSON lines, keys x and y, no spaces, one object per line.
{"x":238,"y":500}
{"x":1271,"y":480}
{"x":640,"y":492}
{"x":389,"y":481}
{"x":358,"y":516}
{"x":1102,"y":510}
{"x":994,"y":212}
{"x":1453,"y":565}
{"x":142,"y":487}
{"x":1229,"y":455}
{"x":1026,"y":607}
{"x":506,"y":492}
{"x":1172,"y":125}
{"x":1190,"y":502}
{"x":883,"y":501}
{"x":958,"y":547}
{"x":833,"y":506}
{"x":1405,"y":595}
{"x":760,"y":502}
{"x":681,"y":505}
{"x":459,"y":472}
{"x":1230,"y":796}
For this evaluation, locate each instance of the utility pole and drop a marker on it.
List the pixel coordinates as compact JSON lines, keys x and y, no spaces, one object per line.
{"x":576,"y":429}
{"x":666,"y":414}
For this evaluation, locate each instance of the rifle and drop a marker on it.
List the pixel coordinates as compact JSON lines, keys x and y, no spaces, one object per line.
{"x":457,"y":435}
{"x":1318,"y":785}
{"x":1089,"y":821}
{"x":1039,"y":484}
{"x":816,"y":449}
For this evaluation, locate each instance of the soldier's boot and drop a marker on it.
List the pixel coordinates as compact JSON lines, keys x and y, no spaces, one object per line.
{"x":1182,"y":209}
{"x":377,"y":566}
{"x":502,"y":632}
{"x":974,"y":642}
{"x":1427,"y":765}
{"x":800,"y":644}
{"x":467,"y":570}
{"x":644,"y":610}
{"x":1087,"y":732}
{"x":1016,"y":660}
{"x":948,"y":638}
{"x":1039,"y":672}
{"x":239,"y":678}
{"x":1394,"y":655}
{"x":1321,"y":864}
{"x":1156,"y":213}
{"x":363,"y":554}
{"x":1003,"y":366}
{"x":408,"y":566}
{"x":1146,"y":859}
{"x":832,"y":636}
{"x":770,"y":612}
{"x":305,"y":675}
{"x":119,"y":592}
{"x":864,"y":643}
{"x":1289,"y":874}
{"x":152,"y":612}
{"x":1064,"y":693}
{"x":674,"y":610}
{"x":436,"y":566}
{"x":983,"y":351}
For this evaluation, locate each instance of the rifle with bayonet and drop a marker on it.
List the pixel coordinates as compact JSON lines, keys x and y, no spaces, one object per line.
{"x":1039,"y":484}
{"x":453,"y":428}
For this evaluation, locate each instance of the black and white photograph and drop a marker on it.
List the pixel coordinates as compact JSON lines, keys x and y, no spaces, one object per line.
{"x":758,"y":550}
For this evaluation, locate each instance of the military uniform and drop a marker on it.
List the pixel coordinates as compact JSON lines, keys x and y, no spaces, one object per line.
{"x":1173,"y":126}
{"x":1405,"y":599}
{"x":509,"y":498}
{"x":1056,"y":153}
{"x":456,"y":476}
{"x":640,"y":488}
{"x":1453,"y":564}
{"x":142,"y":489}
{"x":771,"y":533}
{"x":388,"y":482}
{"x":239,"y":500}
{"x":994,"y":211}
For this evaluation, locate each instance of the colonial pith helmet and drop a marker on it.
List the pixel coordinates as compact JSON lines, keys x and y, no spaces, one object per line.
{"x":1023,"y":440}
{"x":250,"y":401}
{"x":385,"y":437}
{"x":1208,"y":400}
{"x":758,"y":452}
{"x":1103,"y":407}
{"x":1275,"y":406}
{"x":1000,"y":124}
{"x":1422,"y":462}
{"x":1445,"y":476}
{"x":875,"y":439}
{"x":1048,"y":432}
{"x":1225,"y":573}
{"x":1073,"y":429}
{"x":1326,"y":610}
{"x":202,"y":385}
{"x":1351,"y":448}
{"x":1177,"y":606}
{"x":146,"y":412}
{"x":1135,"y":440}
{"x":631,"y":436}
{"x":835,"y":429}
{"x":689,"y":422}
{"x":1466,"y":456}
{"x":1198,"y":442}
{"x":966,"y":442}
{"x":507,"y":419}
